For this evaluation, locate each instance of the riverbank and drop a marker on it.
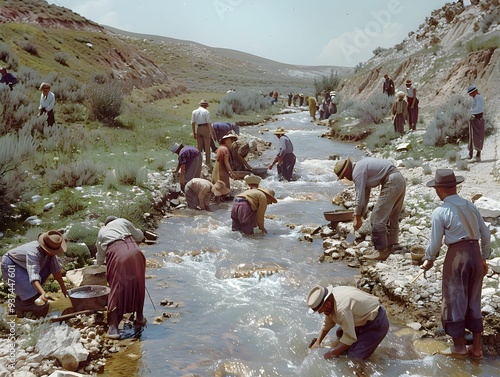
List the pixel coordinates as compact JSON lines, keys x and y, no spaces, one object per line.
{"x":418,"y":303}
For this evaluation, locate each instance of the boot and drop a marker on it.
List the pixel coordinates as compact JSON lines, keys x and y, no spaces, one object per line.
{"x":381,"y":255}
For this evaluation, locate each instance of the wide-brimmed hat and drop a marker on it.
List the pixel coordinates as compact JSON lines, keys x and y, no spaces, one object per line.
{"x":408,"y":82}
{"x":400,"y":94}
{"x":52,"y":242}
{"x":230,"y":134}
{"x":471,"y":89}
{"x":332,"y":93}
{"x":220,"y":188}
{"x":175,"y":147}
{"x":317,"y":297}
{"x":341,"y":167}
{"x":203,"y":102}
{"x":445,"y":178}
{"x":252,"y":179}
{"x":269,"y":193}
{"x":109,"y":219}
{"x":279,"y":131}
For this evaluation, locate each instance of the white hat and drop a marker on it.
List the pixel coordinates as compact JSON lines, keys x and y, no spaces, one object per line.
{"x":252,"y":179}
{"x":219,"y":189}
{"x":317,"y":297}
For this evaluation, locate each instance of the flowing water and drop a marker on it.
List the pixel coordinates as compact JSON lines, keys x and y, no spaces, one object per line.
{"x":258,"y":325}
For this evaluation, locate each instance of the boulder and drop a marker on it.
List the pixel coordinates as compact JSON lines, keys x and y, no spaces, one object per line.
{"x":488,"y":207}
{"x":90,"y":275}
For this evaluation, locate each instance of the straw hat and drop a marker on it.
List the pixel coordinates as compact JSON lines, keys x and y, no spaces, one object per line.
{"x":230,"y":134}
{"x":52,"y":242}
{"x":400,"y":94}
{"x":203,"y":102}
{"x":252,"y":179}
{"x":408,"y":82}
{"x":269,"y":194}
{"x":341,"y":167}
{"x":279,"y":131}
{"x":317,"y":297}
{"x":445,"y":178}
{"x":219,"y":189}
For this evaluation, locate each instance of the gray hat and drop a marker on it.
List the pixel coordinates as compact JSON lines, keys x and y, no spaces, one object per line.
{"x":175,"y":147}
{"x":109,"y":219}
{"x":445,"y":178}
{"x":471,"y":89}
{"x":317,"y":297}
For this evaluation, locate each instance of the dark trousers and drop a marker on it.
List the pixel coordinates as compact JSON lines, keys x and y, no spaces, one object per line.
{"x":370,"y":336}
{"x":286,"y":168}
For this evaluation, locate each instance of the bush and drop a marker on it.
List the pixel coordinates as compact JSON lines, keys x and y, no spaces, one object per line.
{"x":82,"y":173}
{"x":71,"y":202}
{"x":15,"y":109}
{"x":29,"y":47}
{"x":478,"y":43}
{"x":8,"y":57}
{"x":374,"y":109}
{"x":326,"y":83}
{"x":61,"y":58}
{"x":242,"y":102}
{"x":79,"y":252}
{"x":131,"y":174}
{"x":105,"y":100}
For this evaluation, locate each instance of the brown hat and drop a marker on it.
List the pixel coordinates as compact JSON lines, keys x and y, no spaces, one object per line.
{"x":269,"y":194}
{"x":219,"y":189}
{"x":317,"y":297}
{"x":445,"y":178}
{"x":408,"y":82}
{"x":341,"y":167}
{"x":52,"y":242}
{"x":280,"y":131}
{"x":203,"y":102}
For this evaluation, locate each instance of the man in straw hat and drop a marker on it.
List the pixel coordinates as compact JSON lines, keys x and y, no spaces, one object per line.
{"x":362,"y":319}
{"x":285,"y":157}
{"x":117,"y":245}
{"x":253,"y":181}
{"x":202,"y":130}
{"x":239,"y":151}
{"x":369,"y":173}
{"x":476,"y":124}
{"x":399,"y":113}
{"x":188,"y":163}
{"x":29,"y":266}
{"x":199,"y":192}
{"x":249,"y":209}
{"x":462,"y":226}
{"x":223,"y":169}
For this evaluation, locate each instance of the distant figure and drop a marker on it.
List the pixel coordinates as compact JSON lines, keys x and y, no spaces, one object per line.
{"x":202,"y":130}
{"x":117,"y":246}
{"x":334,"y":101}
{"x":199,"y":191}
{"x":311,"y":101}
{"x":295,"y":99}
{"x":290,"y":96}
{"x":411,"y":98}
{"x":275,"y":96}
{"x":221,"y":129}
{"x":301,"y":99}
{"x":285,"y":157}
{"x":476,"y":124}
{"x":188,"y":163}
{"x":47,"y":103}
{"x":7,"y":78}
{"x":388,"y":87}
{"x":249,"y":209}
{"x":399,"y":113}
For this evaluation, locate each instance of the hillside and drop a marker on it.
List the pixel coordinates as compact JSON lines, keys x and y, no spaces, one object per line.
{"x":454,"y":47}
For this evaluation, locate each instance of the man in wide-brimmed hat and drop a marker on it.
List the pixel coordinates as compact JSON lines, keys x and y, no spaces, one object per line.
{"x":468,"y":241}
{"x":223,"y":169}
{"x":369,"y":173}
{"x":29,"y":266}
{"x":199,"y":192}
{"x":362,"y":319}
{"x":188,"y":163}
{"x":285,"y":157}
{"x":476,"y":124}
{"x":202,"y":130}
{"x":249,"y":209}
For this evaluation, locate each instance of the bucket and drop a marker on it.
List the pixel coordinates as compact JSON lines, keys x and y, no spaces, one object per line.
{"x":89,"y":297}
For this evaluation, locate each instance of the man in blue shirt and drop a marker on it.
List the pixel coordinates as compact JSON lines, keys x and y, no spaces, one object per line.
{"x":476,"y":124}
{"x":7,"y":78}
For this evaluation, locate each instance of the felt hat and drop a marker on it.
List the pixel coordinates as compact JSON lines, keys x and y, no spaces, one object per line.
{"x":269,"y":194}
{"x":175,"y":147}
{"x":471,"y":89}
{"x":279,"y":131}
{"x":52,"y":242}
{"x":109,"y":219}
{"x":219,"y":189}
{"x":203,"y":102}
{"x":252,"y":179}
{"x":341,"y":167}
{"x":317,"y":297}
{"x":445,"y":178}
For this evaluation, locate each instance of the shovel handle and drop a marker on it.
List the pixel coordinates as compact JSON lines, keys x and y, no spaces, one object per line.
{"x":416,"y":277}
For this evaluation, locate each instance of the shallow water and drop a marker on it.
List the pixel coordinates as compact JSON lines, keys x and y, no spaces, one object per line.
{"x":257,"y":325}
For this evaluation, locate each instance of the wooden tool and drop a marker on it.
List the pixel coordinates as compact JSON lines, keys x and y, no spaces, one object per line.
{"x":416,"y":277}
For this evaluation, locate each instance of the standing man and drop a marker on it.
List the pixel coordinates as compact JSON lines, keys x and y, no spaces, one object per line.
{"x":462,"y":226}
{"x":369,"y":173}
{"x":311,"y":101}
{"x":476,"y":124}
{"x":189,"y":163}
{"x":285,"y":158}
{"x":47,"y":103}
{"x":388,"y":86}
{"x":7,"y":78}
{"x":411,"y":98}
{"x":249,"y":209}
{"x":117,"y":245}
{"x":202,"y":130}
{"x":399,"y":112}
{"x":362,"y":319}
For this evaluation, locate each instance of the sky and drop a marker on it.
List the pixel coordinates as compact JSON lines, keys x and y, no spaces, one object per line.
{"x":299,"y":32}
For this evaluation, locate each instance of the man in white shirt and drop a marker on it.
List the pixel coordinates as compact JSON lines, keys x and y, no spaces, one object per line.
{"x":476,"y":124}
{"x":202,"y":130}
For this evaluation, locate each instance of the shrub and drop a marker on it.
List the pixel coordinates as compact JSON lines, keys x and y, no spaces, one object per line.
{"x":15,"y":109}
{"x":374,"y":109}
{"x":83,"y":173}
{"x":131,"y":174}
{"x":105,"y":100}
{"x":71,"y":202}
{"x":8,"y":57}
{"x":79,"y":252}
{"x":29,"y":47}
{"x":326,"y":83}
{"x":478,"y":43}
{"x":61,"y":58}
{"x":242,"y":102}
{"x":379,"y":50}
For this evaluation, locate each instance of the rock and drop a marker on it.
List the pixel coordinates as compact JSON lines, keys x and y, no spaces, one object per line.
{"x":90,"y":275}
{"x":494,"y":264}
{"x":414,"y":325}
{"x":49,"y":206}
{"x":403,"y":147}
{"x":33,"y":220}
{"x":488,"y":207}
